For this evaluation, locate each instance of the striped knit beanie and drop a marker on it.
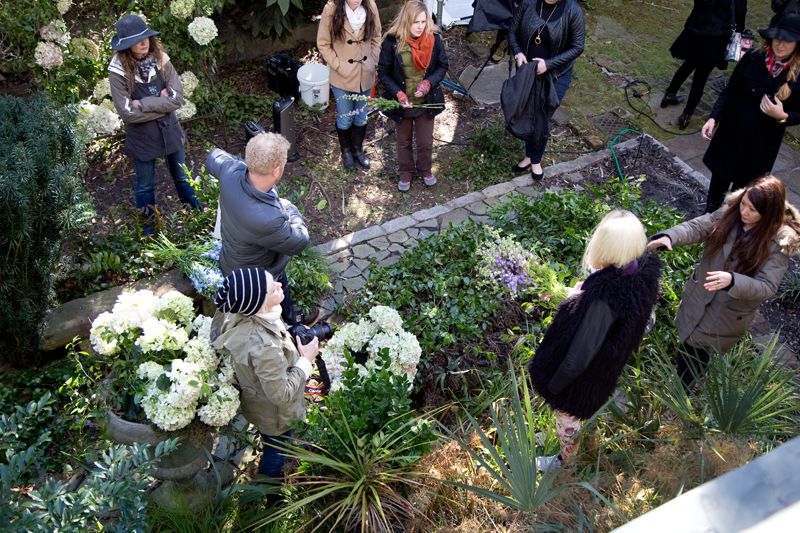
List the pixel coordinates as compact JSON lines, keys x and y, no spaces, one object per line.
{"x":244,"y":291}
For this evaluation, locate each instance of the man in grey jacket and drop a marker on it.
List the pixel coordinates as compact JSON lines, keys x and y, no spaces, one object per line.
{"x":258,"y":227}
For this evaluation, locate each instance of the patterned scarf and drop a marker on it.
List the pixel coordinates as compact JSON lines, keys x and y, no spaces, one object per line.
{"x":145,"y":66}
{"x":774,"y":65}
{"x":421,"y":51}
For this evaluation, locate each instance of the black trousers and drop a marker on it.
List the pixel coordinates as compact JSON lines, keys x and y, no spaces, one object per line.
{"x":701,"y":73}
{"x":699,"y":361}
{"x":719,"y":187}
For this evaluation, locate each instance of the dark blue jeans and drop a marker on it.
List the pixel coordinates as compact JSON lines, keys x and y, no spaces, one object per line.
{"x":537,"y":152}
{"x":146,"y":180}
{"x":272,"y":459}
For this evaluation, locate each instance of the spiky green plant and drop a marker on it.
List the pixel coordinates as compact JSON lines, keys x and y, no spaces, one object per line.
{"x":744,"y":391}
{"x":509,"y":456}
{"x":360,"y":488}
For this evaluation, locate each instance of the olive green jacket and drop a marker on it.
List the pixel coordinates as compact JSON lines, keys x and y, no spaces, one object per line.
{"x":270,"y":371}
{"x":717,"y":320}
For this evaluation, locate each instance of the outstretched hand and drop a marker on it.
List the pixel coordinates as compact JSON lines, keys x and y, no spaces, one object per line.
{"x":661,"y":242}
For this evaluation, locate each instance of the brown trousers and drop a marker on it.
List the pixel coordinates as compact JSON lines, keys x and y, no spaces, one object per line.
{"x":419,"y":129}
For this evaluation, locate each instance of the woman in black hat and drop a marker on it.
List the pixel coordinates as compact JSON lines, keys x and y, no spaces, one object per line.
{"x":752,"y":113}
{"x":147,"y":92}
{"x":701,"y":45}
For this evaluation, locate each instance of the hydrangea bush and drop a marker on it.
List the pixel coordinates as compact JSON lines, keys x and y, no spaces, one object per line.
{"x":177,"y":374}
{"x":383,"y":329}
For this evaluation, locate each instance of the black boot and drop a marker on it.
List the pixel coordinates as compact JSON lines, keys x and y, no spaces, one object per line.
{"x":347,"y":146}
{"x":671,"y":99}
{"x":357,"y":134}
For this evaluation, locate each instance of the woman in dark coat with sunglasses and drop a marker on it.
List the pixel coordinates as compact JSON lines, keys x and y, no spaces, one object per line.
{"x":752,"y":113}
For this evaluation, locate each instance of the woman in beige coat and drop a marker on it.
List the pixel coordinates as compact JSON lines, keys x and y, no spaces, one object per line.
{"x":349,"y":40}
{"x":270,"y":370}
{"x":747,"y":245}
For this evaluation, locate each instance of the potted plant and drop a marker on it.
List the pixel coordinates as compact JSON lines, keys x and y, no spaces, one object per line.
{"x":165,"y":380}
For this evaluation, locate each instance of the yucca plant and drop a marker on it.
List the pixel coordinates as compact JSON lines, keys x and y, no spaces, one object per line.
{"x":361,"y":486}
{"x":752,"y":393}
{"x":509,"y":452}
{"x":744,"y":391}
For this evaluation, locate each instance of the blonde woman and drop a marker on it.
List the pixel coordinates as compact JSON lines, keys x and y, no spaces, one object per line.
{"x":147,"y":92}
{"x":411,"y":67}
{"x":596,"y":329}
{"x":752,"y":113}
{"x":349,"y":39}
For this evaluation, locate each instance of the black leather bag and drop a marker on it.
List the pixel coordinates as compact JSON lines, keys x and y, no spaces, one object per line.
{"x":282,"y":74}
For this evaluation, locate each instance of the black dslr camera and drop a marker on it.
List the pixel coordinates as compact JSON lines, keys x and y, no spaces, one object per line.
{"x":321,"y":330}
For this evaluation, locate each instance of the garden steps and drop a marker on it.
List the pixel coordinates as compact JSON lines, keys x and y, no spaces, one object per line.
{"x":761,"y":496}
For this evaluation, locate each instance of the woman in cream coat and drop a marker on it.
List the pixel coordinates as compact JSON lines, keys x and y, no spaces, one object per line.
{"x":349,"y":40}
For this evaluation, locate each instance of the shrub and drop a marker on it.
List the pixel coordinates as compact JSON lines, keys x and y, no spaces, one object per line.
{"x":309,"y":279}
{"x":41,"y":199}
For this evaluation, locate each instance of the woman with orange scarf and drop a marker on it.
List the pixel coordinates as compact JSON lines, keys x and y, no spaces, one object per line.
{"x":411,"y":67}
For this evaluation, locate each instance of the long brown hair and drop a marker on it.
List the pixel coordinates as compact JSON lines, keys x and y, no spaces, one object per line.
{"x":339,"y":16}
{"x":129,"y":62}
{"x":791,"y":76}
{"x":768,"y":196}
{"x":401,"y":25}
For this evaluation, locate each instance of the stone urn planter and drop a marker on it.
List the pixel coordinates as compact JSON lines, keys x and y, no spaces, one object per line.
{"x":185,"y":481}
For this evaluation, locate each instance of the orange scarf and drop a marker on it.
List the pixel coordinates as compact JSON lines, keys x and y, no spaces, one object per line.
{"x":421,"y":51}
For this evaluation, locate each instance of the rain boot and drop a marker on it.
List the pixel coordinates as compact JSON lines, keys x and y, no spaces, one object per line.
{"x":345,"y":143}
{"x":357,"y":134}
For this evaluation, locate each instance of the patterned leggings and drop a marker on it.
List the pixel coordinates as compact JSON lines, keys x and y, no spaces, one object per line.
{"x":566,"y":428}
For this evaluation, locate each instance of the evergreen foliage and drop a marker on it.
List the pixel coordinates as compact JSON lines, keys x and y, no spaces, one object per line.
{"x":41,"y":198}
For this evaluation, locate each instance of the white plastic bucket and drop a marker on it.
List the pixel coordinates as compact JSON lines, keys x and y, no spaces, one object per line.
{"x":314,"y":84}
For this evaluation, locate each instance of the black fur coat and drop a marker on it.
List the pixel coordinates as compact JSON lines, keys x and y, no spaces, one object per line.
{"x":627,"y":297}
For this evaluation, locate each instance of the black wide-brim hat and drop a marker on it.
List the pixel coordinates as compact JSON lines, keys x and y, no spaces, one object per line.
{"x":787,"y":29}
{"x":130,"y":30}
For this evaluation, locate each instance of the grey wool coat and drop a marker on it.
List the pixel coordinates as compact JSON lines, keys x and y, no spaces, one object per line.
{"x":717,"y":320}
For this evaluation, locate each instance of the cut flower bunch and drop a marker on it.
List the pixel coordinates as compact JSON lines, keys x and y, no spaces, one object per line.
{"x":382,"y":329}
{"x":164,"y":359}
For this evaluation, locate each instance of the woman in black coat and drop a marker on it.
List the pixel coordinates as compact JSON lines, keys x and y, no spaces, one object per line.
{"x":597,"y":328}
{"x":550,"y":32}
{"x":752,"y":113}
{"x":702,"y":45}
{"x":411,"y":67}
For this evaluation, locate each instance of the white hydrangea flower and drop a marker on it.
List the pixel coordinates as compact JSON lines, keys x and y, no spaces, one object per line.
{"x":202,"y":326}
{"x":176,"y":307}
{"x":84,"y":48}
{"x":181,"y":9}
{"x":103,"y":334}
{"x":63,"y":6}
{"x":190,"y":82}
{"x":98,"y":120}
{"x":48,"y":55}
{"x":108,"y":104}
{"x":163,"y":415}
{"x":56,"y":31}
{"x":226,"y":373}
{"x":150,"y":370}
{"x":221,"y":407}
{"x":383,"y":331}
{"x":386,"y":318}
{"x":201,"y":353}
{"x":135,"y":307}
{"x":187,"y":110}
{"x":101,"y":89}
{"x":186,"y":384}
{"x":203,"y":30}
{"x":161,"y":335}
